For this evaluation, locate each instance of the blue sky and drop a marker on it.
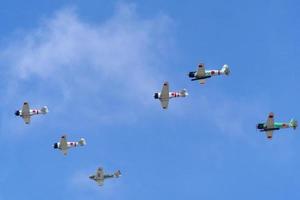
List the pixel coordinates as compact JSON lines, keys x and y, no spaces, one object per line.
{"x":96,"y":65}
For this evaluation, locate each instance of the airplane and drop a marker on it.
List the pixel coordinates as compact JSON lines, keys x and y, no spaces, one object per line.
{"x":271,"y":126}
{"x":100,"y":176}
{"x":165,"y":95}
{"x":64,"y":145}
{"x":203,"y":74}
{"x":26,"y":112}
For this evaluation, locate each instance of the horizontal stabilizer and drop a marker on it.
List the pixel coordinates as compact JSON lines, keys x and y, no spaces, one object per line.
{"x":117,"y":174}
{"x":184,"y":93}
{"x":44,"y":110}
{"x":293,"y":124}
{"x":225,"y":69}
{"x":82,"y":142}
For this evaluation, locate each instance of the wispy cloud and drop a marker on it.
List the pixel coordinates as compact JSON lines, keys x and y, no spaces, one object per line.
{"x":110,"y":68}
{"x":232,"y":117}
{"x":67,"y":61}
{"x":80,"y":180}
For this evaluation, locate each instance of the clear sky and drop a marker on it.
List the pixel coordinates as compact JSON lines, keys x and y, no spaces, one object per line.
{"x":96,"y":65}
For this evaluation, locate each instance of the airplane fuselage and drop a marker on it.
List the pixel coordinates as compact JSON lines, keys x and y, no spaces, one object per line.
{"x":69,"y":145}
{"x":31,"y":112}
{"x":109,"y":176}
{"x":208,"y":74}
{"x":277,"y":126}
{"x":102,"y":178}
{"x":183,"y":93}
{"x":171,"y":95}
{"x":106,"y":176}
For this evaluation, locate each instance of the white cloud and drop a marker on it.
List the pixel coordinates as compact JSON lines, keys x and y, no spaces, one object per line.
{"x":109,"y":68}
{"x":81,"y":179}
{"x":102,"y":66}
{"x":232,"y":117}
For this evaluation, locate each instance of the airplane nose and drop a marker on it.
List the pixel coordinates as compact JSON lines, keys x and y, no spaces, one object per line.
{"x":260,"y":126}
{"x":191,"y":74}
{"x":17,"y":113}
{"x":257,"y":126}
{"x":55,"y":146}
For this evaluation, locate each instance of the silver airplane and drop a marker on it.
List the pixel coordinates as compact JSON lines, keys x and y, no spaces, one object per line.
{"x":26,"y":112}
{"x":64,"y":145}
{"x":100,"y":176}
{"x":165,"y":95}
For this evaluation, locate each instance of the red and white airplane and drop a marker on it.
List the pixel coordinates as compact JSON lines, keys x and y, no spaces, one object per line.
{"x":26,"y":112}
{"x":165,"y":95}
{"x":201,"y":74}
{"x":64,"y":145}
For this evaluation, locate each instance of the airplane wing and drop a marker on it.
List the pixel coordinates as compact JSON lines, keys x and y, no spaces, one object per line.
{"x":26,"y":119}
{"x":200,"y":71}
{"x":25,"y":113}
{"x":270,"y":120}
{"x":25,"y":108}
{"x":100,"y":182}
{"x":164,"y":103}
{"x":65,"y":152}
{"x":100,"y":173}
{"x":63,"y":144}
{"x":164,"y":99}
{"x":269,"y":134}
{"x":202,"y":81}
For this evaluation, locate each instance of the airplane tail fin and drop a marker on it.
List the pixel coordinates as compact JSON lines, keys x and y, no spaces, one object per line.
{"x":184,"y":93}
{"x":44,"y":110}
{"x":225,"y":69}
{"x":82,"y":142}
{"x":117,"y":174}
{"x":293,"y":124}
